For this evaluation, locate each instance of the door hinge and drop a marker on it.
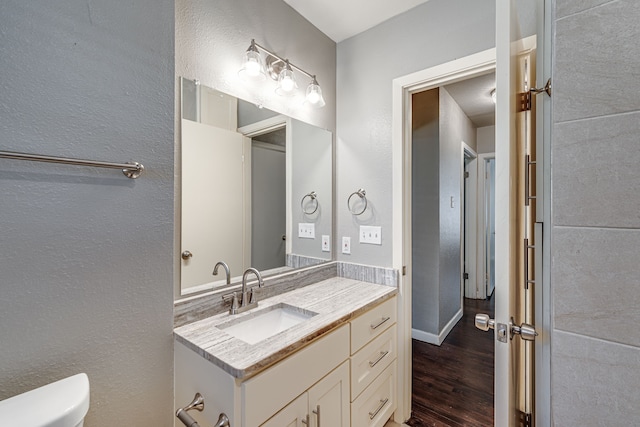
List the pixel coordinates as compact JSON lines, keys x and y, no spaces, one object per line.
{"x":523,"y":100}
{"x":404,"y":270}
{"x":466,"y":276}
{"x":525,"y":419}
{"x":466,"y":174}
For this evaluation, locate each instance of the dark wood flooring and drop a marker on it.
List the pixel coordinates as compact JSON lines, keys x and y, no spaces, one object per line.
{"x":453,"y":383}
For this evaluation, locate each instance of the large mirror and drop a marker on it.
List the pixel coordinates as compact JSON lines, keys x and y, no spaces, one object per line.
{"x":256,"y":189}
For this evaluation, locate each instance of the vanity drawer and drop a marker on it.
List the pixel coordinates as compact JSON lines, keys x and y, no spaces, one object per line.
{"x":371,"y":360}
{"x":377,"y":403}
{"x":372,"y":323}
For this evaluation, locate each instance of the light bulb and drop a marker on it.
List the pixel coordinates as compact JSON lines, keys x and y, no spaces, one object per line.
{"x":253,"y":66}
{"x":286,"y":81}
{"x":287,"y":84}
{"x":314,"y":94}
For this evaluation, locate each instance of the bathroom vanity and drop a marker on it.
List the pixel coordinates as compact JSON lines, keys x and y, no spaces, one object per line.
{"x":333,"y":365}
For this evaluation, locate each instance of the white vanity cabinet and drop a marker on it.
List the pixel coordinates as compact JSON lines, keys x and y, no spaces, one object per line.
{"x":346,"y":377}
{"x":326,"y":404}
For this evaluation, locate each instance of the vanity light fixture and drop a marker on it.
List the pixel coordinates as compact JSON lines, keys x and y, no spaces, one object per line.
{"x":281,"y":70}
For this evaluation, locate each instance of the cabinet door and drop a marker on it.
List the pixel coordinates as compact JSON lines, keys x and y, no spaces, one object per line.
{"x":292,"y":415}
{"x":329,"y":399}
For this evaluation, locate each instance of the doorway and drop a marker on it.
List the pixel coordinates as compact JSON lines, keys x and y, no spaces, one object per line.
{"x":450,"y":356}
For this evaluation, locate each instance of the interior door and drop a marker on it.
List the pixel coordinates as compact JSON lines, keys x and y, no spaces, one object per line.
{"x":515,"y":216}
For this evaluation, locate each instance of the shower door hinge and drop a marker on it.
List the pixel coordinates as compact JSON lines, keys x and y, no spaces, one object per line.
{"x":525,"y":419}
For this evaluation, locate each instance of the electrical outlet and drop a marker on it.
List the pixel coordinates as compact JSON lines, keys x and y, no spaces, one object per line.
{"x":306,"y":230}
{"x":346,"y":245}
{"x":326,"y":243}
{"x":370,"y":235}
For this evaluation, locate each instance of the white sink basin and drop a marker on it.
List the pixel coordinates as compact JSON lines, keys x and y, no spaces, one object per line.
{"x":265,"y":323}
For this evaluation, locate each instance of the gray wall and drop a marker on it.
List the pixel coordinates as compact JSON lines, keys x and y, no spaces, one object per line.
{"x":311,"y":158}
{"x":455,"y":127}
{"x":433,"y":33}
{"x":439,"y":126}
{"x":595,"y":357}
{"x":486,"y":139}
{"x":425,"y":215}
{"x":86,"y":253}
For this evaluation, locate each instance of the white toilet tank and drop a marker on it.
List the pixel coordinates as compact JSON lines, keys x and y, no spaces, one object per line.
{"x":63,"y":403}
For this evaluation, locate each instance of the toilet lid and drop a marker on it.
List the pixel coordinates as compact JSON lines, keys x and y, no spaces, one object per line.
{"x":63,"y":403}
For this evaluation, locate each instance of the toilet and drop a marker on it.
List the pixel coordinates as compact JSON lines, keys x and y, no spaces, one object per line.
{"x":63,"y":403}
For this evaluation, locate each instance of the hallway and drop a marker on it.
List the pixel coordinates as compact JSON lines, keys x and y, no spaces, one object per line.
{"x":453,"y":383}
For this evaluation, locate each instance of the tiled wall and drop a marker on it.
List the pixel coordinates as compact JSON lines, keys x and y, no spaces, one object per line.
{"x":596,"y":213}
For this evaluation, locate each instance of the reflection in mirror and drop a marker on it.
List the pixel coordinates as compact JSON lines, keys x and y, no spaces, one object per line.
{"x":248,"y":176}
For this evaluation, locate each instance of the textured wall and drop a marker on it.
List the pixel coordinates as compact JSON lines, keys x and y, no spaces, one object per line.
{"x":595,"y":359}
{"x":436,"y":32}
{"x":86,"y":253}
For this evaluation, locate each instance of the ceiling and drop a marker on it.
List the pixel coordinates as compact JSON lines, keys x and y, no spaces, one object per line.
{"x":341,"y":19}
{"x":474,"y":97}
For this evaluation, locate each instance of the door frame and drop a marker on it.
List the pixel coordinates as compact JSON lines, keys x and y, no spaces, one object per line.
{"x":402,"y":89}
{"x":469,"y":245}
{"x":482,"y":219}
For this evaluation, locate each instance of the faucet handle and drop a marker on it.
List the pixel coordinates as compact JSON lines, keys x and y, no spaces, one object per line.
{"x":234,"y":302}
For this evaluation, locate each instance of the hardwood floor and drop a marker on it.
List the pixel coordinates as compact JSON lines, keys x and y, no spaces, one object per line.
{"x":453,"y":383}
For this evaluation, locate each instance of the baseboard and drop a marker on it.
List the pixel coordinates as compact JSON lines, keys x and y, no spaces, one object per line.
{"x":430,"y":338}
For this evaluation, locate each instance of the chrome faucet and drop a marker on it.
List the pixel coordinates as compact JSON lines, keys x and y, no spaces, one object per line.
{"x":247,"y":296}
{"x":226,"y":269}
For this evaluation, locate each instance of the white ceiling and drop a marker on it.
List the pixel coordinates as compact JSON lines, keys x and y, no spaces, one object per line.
{"x":341,"y":19}
{"x":474,"y":97}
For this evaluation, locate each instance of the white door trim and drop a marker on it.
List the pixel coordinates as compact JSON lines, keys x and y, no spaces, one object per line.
{"x":482,"y":221}
{"x":468,"y":223}
{"x":403,"y":87}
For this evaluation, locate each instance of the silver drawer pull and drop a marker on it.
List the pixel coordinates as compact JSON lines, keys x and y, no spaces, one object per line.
{"x":382,"y":355}
{"x":305,"y":421}
{"x":377,"y":325}
{"x":373,"y":414}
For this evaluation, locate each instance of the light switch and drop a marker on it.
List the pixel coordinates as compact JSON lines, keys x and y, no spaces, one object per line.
{"x":370,"y":235}
{"x":306,"y":230}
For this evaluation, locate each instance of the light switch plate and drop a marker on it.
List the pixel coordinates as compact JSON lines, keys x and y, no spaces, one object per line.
{"x":306,"y":230}
{"x":370,"y":235}
{"x":326,"y":243}
{"x":346,"y":245}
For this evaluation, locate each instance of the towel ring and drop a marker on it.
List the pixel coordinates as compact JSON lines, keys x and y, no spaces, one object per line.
{"x":362,"y":194}
{"x":314,"y":197}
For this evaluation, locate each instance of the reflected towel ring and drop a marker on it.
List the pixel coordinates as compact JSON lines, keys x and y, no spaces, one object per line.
{"x":362,"y":194}
{"x":314,"y":197}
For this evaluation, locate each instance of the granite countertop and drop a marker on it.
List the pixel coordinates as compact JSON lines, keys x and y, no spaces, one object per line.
{"x":336,"y":301}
